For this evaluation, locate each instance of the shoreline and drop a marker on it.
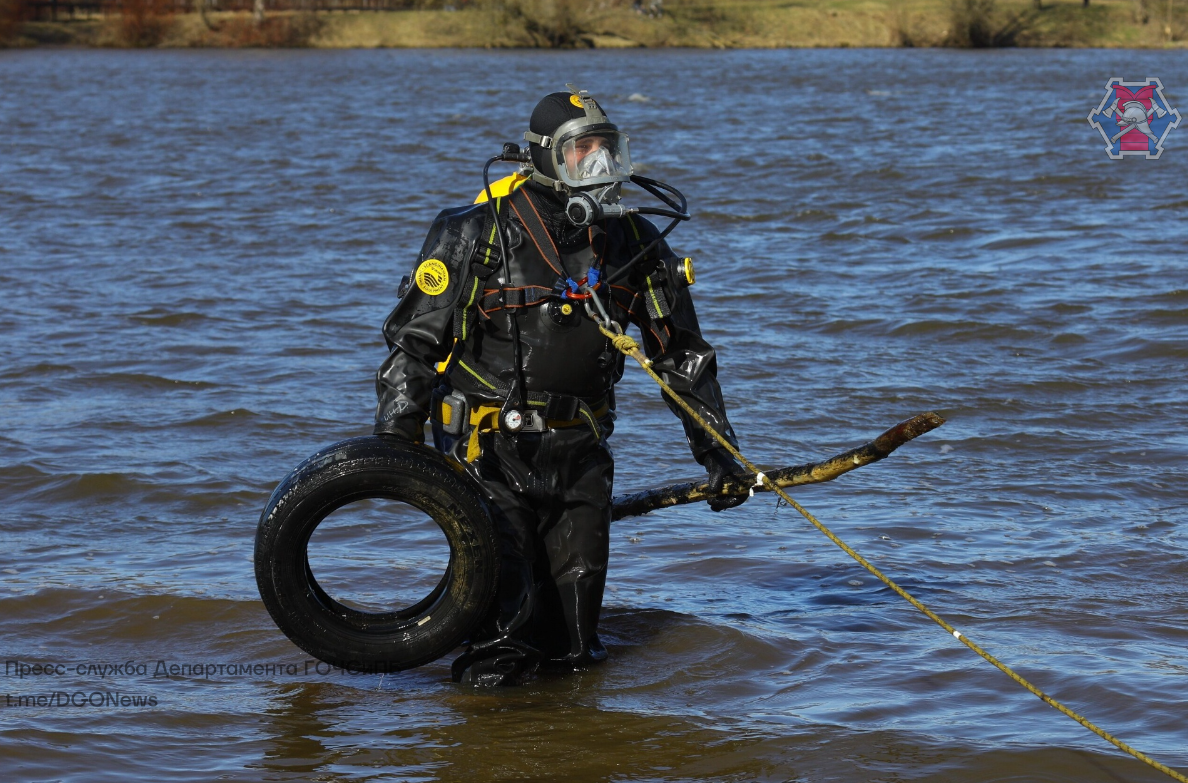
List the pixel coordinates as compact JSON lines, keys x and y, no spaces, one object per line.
{"x":565,"y":24}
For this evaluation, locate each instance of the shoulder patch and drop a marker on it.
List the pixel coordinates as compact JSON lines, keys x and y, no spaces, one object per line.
{"x":432,"y":277}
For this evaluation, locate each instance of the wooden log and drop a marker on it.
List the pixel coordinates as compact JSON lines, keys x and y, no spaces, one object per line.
{"x":812,"y":473}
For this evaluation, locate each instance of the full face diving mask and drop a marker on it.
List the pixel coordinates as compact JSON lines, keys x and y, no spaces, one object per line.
{"x":590,"y":157}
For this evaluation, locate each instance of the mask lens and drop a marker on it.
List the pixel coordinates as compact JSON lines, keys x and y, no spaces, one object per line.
{"x":597,"y":164}
{"x":596,"y":158}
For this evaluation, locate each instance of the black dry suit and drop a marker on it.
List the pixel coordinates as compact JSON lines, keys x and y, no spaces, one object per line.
{"x":549,"y":490}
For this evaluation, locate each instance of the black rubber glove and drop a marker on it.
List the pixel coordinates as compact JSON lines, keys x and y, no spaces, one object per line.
{"x":719,"y":465}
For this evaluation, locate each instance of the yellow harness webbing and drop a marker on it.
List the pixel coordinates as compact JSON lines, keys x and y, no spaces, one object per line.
{"x":485,"y":418}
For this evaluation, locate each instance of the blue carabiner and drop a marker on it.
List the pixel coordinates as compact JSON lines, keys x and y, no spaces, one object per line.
{"x":574,"y":287}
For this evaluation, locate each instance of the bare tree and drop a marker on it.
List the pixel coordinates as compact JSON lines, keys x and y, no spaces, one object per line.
{"x":204,"y":8}
{"x":9,"y":19}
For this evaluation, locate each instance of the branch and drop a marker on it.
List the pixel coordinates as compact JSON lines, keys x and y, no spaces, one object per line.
{"x":813,"y":473}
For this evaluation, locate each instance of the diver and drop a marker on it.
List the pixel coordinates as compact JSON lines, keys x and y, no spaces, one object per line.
{"x":495,"y":341}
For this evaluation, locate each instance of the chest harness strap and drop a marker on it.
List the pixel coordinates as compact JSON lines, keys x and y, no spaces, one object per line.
{"x":529,"y":215}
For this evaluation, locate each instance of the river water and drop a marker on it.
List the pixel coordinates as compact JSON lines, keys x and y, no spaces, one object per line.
{"x":197,"y":250}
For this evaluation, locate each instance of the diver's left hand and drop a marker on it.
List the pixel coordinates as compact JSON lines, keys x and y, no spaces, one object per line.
{"x":718,"y":466}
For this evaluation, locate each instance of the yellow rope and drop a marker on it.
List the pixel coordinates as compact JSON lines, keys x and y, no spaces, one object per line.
{"x":629,"y":347}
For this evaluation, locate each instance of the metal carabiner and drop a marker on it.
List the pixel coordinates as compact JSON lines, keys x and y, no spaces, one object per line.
{"x":601,"y":318}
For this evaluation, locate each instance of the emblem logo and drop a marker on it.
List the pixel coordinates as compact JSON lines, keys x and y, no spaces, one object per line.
{"x":576,"y":100}
{"x":432,"y":277}
{"x":1134,"y":118}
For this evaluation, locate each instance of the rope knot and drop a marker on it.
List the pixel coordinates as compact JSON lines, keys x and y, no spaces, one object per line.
{"x":624,"y":343}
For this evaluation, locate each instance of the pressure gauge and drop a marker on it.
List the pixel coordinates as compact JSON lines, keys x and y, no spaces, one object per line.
{"x":513,"y":421}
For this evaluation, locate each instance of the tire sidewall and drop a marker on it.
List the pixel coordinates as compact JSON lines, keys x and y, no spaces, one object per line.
{"x":376,"y":468}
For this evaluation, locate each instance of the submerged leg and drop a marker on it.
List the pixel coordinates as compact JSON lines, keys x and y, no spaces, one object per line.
{"x":501,"y":652}
{"x":577,"y":544}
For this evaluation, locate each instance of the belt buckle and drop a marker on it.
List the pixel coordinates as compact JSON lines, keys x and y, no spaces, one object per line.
{"x":534,"y":422}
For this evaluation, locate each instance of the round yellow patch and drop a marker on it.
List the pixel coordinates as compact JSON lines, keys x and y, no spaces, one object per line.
{"x":432,"y":277}
{"x":690,"y":275}
{"x":577,"y":101}
{"x":566,"y":309}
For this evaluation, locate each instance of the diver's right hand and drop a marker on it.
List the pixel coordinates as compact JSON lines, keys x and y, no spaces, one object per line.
{"x":718,"y":466}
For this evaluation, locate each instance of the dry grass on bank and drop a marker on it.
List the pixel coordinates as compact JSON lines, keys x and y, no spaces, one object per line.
{"x":614,"y":23}
{"x":763,"y":24}
{"x":164,"y":30}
